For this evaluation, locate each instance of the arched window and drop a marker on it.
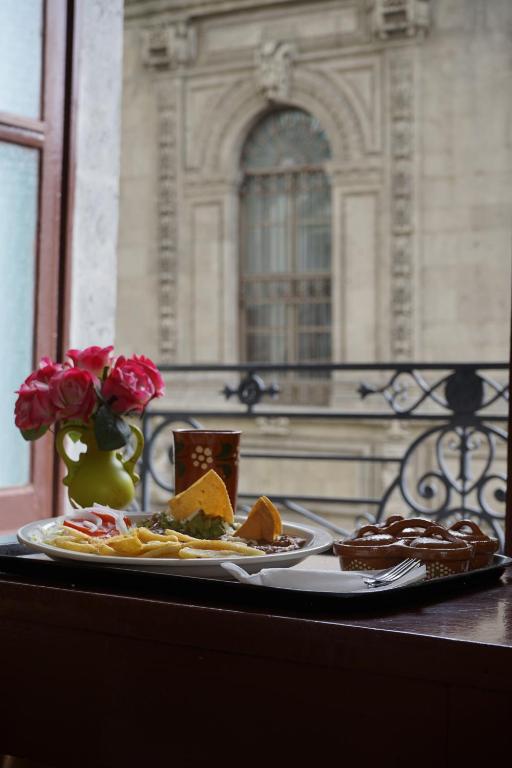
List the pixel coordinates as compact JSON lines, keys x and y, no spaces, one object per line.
{"x":286,"y":241}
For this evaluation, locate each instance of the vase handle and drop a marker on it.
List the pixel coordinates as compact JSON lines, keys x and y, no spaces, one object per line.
{"x":70,"y":463}
{"x":129,"y":464}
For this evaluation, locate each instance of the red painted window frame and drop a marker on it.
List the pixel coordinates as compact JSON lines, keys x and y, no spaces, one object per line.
{"x":51,"y":135}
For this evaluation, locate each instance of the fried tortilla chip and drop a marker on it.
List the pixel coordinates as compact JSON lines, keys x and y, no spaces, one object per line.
{"x":209,"y":494}
{"x":263,"y":522}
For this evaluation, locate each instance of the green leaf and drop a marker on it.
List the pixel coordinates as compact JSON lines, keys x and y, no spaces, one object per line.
{"x":33,"y":434}
{"x":111,"y":431}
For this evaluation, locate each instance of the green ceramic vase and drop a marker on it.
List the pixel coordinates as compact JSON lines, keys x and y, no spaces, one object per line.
{"x":102,"y":477}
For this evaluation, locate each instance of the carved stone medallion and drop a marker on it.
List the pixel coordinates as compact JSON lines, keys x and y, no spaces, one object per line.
{"x":274,"y":63}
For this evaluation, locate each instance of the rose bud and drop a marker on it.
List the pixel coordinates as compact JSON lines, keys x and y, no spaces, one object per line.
{"x":92,"y":359}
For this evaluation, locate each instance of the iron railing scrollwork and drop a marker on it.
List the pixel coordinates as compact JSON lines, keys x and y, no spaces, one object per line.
{"x":460,"y":487}
{"x":449,"y":470}
{"x":251,"y":390}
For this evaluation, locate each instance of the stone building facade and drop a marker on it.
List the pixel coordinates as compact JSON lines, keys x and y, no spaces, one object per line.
{"x":415,"y":99}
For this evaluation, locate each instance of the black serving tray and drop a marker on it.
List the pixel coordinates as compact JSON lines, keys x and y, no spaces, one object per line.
{"x":69,"y":574}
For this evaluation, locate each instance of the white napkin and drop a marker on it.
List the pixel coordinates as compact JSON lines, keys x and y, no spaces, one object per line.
{"x":319,"y":581}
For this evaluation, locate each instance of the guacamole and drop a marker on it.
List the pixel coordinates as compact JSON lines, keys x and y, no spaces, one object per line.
{"x":199,"y":525}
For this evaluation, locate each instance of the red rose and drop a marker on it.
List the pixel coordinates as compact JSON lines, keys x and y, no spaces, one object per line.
{"x":34,"y":408}
{"x":72,"y":393}
{"x":153,"y":373}
{"x":92,"y":359}
{"x":128,"y":388}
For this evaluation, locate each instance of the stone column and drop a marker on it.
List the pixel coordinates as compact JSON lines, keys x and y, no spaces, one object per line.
{"x":166,"y":50}
{"x":96,"y":174}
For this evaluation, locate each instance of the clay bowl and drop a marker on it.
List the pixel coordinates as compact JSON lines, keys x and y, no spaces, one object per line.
{"x":442,"y":553}
{"x":484,"y":546}
{"x":368,"y":549}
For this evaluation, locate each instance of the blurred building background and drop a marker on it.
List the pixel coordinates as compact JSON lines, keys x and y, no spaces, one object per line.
{"x":313,"y":182}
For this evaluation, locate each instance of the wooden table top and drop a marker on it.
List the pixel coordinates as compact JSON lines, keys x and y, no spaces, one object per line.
{"x":471,"y":614}
{"x":474,"y":617}
{"x":159,"y":655}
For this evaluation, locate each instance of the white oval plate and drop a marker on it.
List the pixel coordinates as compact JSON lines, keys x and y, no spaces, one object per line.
{"x":317,"y":540}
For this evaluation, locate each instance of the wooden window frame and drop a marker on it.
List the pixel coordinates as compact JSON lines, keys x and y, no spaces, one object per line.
{"x":51,"y":135}
{"x":508,"y":510}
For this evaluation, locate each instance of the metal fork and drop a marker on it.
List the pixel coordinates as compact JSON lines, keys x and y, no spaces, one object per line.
{"x":392,"y":574}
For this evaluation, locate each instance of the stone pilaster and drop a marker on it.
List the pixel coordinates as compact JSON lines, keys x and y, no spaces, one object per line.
{"x":167,"y":220}
{"x":401,"y":112}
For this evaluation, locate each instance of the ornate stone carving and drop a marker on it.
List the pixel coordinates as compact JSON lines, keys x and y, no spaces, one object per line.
{"x":167,"y":220}
{"x":312,"y":91}
{"x":274,"y":65}
{"x":400,"y":18}
{"x":402,"y":202}
{"x":169,"y":46}
{"x":356,"y":175}
{"x":401,"y":138}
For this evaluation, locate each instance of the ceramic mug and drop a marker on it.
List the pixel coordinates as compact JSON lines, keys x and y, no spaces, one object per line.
{"x":198,"y":450}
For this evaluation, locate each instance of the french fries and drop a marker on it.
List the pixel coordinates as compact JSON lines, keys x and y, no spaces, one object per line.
{"x":146,"y":535}
{"x":236,"y":547}
{"x":190,"y":553}
{"x":67,"y":542}
{"x":141,"y":542}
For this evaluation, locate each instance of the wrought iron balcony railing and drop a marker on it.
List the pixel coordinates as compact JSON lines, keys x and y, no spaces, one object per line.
{"x":458,"y":414}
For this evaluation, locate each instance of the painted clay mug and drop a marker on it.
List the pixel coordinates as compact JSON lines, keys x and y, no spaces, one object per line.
{"x":198,"y":450}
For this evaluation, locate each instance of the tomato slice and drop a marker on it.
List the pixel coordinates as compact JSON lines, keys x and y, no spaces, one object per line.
{"x":109,"y":518}
{"x":105,"y":517}
{"x":108,"y":526}
{"x":83,"y":528}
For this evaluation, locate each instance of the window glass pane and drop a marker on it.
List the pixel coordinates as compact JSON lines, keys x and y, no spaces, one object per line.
{"x":285,"y":138}
{"x":313,"y":226}
{"x":266,"y":207}
{"x":266,"y":348}
{"x":21,"y":56}
{"x":313,"y":248}
{"x":266,"y":315}
{"x":314,"y":346}
{"x":314,"y":314}
{"x":18,"y":230}
{"x":313,"y":197}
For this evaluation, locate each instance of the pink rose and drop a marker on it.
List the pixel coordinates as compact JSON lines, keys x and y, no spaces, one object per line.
{"x":34,"y":408}
{"x":45,"y":370}
{"x":153,"y":373}
{"x":72,"y":393}
{"x":92,"y":359}
{"x":128,"y":388}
